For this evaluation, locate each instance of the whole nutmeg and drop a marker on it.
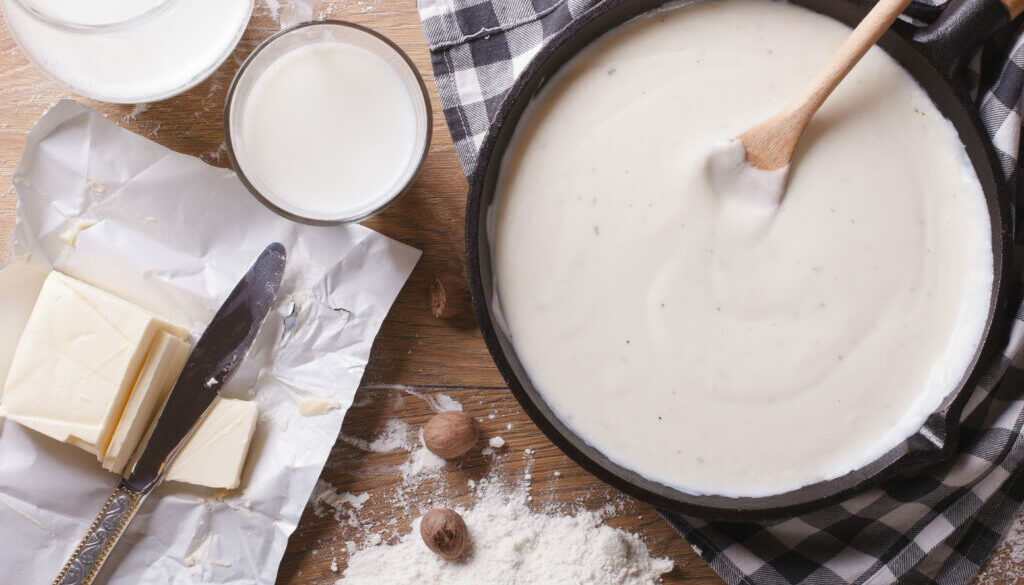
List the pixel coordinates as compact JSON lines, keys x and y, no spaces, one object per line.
{"x":450,"y":434}
{"x":449,"y":297}
{"x":445,"y":532}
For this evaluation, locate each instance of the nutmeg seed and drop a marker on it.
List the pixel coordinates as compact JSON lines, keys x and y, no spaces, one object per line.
{"x":449,"y":297}
{"x":450,"y":434}
{"x":445,"y":532}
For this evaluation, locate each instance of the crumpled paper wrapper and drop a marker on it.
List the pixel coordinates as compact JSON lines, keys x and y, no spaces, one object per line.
{"x":174,"y":235}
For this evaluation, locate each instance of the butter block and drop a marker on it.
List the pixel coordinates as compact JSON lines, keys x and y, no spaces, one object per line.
{"x":154,"y":383}
{"x":78,"y":358}
{"x":89,"y":447}
{"x":215,"y":455}
{"x":20,"y":284}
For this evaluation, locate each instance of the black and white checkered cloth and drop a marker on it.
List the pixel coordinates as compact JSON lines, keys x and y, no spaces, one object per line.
{"x":937,"y":527}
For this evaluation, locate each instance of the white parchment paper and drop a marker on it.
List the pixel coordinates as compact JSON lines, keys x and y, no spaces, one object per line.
{"x":174,"y":234}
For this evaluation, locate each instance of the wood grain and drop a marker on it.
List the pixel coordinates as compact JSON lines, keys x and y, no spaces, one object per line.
{"x":415,"y":354}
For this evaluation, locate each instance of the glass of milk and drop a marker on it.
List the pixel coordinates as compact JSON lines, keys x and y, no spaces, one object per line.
{"x":127,"y":51}
{"x":327,"y":122}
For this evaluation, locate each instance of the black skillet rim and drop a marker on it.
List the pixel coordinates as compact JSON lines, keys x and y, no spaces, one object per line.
{"x":912,"y":454}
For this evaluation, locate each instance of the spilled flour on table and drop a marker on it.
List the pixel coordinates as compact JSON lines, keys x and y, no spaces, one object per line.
{"x":325,"y":496}
{"x":1003,"y":567}
{"x":438,"y":402}
{"x":512,"y":545}
{"x":421,"y":462}
{"x":290,"y":12}
{"x":397,"y":436}
{"x":512,"y":541}
{"x":273,"y":9}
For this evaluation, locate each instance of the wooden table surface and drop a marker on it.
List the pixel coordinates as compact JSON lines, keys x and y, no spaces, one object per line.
{"x":415,"y":354}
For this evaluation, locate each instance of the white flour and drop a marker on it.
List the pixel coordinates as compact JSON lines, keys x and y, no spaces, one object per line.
{"x":397,"y":436}
{"x":511,"y":545}
{"x":437,"y":401}
{"x":325,"y":495}
{"x":1003,"y":567}
{"x":273,"y":9}
{"x":421,"y":462}
{"x":137,"y":111}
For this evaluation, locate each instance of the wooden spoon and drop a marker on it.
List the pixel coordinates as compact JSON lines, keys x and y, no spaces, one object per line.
{"x":770,"y":144}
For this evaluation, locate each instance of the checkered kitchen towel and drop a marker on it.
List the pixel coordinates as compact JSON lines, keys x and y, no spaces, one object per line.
{"x":933,"y":528}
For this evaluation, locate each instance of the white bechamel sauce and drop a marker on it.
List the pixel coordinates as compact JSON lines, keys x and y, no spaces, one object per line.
{"x":695,"y":342}
{"x":329,"y":130}
{"x":738,"y":182}
{"x":153,"y":55}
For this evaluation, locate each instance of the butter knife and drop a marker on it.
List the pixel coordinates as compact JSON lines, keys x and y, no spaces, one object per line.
{"x":211,"y":364}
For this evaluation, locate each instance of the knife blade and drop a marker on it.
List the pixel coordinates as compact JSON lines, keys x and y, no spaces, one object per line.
{"x":213,"y":362}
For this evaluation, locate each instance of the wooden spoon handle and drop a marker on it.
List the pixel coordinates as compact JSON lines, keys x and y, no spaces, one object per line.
{"x":1014,"y":7}
{"x":867,"y":33}
{"x":770,"y":145}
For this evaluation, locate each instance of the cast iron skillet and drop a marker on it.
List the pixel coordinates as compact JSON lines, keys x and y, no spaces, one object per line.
{"x":935,"y":57}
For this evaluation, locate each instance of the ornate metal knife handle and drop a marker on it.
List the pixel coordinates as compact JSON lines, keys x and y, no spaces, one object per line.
{"x":87,"y":560}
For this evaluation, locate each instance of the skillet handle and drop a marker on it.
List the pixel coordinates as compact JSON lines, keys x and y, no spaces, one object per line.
{"x":962,"y":27}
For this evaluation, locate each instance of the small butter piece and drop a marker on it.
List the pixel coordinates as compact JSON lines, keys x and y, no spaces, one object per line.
{"x":315,"y":406}
{"x":77,"y":360}
{"x":85,"y":446}
{"x":158,"y":374}
{"x":70,"y":235}
{"x":215,"y":455}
